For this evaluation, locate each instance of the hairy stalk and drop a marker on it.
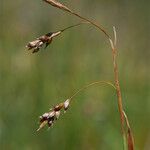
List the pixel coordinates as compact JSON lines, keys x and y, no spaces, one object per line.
{"x":91,"y":84}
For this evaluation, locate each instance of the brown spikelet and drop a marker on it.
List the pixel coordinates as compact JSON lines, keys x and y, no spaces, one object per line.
{"x":47,"y":38}
{"x":40,"y":41}
{"x":58,"y":5}
{"x":130,"y":138}
{"x":50,"y":117}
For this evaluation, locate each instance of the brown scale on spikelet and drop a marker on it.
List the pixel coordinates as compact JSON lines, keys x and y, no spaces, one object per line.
{"x":42,"y":40}
{"x":50,"y":117}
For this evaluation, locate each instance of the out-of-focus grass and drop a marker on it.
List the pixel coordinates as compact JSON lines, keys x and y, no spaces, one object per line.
{"x":31,"y":84}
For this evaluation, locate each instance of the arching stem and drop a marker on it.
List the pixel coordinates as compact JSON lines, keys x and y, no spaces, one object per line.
{"x":114,"y":56}
{"x":91,"y":84}
{"x":74,"y":26}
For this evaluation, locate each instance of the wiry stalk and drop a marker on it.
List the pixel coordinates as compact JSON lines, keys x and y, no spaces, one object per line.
{"x":114,"y":57}
{"x":117,"y":84}
{"x":73,"y":26}
{"x":50,"y":117}
{"x":91,"y":84}
{"x":64,"y":8}
{"x":47,"y":38}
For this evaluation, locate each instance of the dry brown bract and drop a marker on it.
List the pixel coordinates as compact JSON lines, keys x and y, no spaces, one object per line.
{"x":58,"y":5}
{"x":50,"y":117}
{"x":129,"y":133}
{"x":39,"y":42}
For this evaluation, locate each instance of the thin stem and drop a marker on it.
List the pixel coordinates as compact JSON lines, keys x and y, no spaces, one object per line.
{"x":91,"y":84}
{"x":73,"y":26}
{"x":115,"y":66}
{"x":117,"y":83}
{"x":93,"y":23}
{"x":66,"y":9}
{"x":114,"y":56}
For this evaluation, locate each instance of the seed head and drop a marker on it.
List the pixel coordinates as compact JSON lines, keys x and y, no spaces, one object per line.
{"x":66,"y":104}
{"x":50,"y":117}
{"x":40,"y":41}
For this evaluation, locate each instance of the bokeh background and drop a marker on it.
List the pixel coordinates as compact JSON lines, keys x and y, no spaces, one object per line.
{"x":32,"y":83}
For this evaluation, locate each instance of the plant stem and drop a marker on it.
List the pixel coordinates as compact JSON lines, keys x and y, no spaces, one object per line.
{"x":91,"y":84}
{"x":118,"y":91}
{"x":73,"y":26}
{"x":114,"y":57}
{"x":93,"y":23}
{"x":115,"y":67}
{"x":117,"y":84}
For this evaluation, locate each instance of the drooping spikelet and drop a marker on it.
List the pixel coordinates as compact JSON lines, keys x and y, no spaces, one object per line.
{"x":40,"y":41}
{"x":50,"y":117}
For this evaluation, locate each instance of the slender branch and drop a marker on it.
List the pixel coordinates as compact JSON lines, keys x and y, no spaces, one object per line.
{"x":117,"y":83}
{"x":73,"y":26}
{"x":50,"y":117}
{"x":64,"y":8}
{"x":114,"y":53}
{"x":47,"y":38}
{"x":91,"y":84}
{"x":93,"y":23}
{"x":114,"y":57}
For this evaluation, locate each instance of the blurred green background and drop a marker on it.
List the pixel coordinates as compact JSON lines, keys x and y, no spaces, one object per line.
{"x":32,"y":83}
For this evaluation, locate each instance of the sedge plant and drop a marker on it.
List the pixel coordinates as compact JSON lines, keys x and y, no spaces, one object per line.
{"x":51,"y":116}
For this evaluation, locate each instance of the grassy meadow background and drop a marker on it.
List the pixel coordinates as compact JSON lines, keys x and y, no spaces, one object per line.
{"x":32,"y":83}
